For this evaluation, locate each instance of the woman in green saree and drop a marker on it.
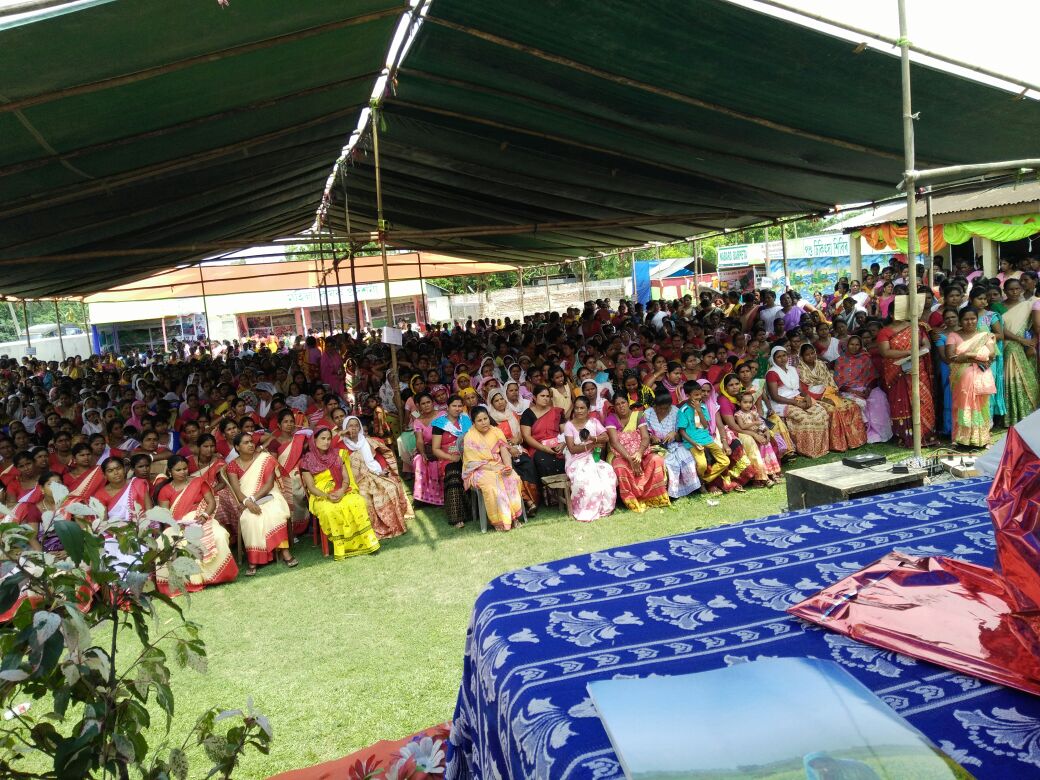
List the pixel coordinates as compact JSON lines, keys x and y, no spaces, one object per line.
{"x":1021,"y":386}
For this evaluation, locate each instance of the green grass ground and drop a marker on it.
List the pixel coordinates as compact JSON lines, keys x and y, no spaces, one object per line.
{"x":341,"y":654}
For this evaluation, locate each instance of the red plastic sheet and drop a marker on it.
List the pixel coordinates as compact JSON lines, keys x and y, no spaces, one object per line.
{"x":980,"y":621}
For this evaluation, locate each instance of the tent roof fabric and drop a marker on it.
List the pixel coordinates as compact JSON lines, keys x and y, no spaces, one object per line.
{"x":173,"y":123}
{"x":211,"y":280}
{"x":178,"y":124}
{"x":695,"y":116}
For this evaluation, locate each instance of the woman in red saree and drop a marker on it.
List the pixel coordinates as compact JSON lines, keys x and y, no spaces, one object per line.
{"x":287,"y":445}
{"x":541,"y":427}
{"x":264,"y":522}
{"x":641,"y":475}
{"x":894,"y":347}
{"x":125,"y":500}
{"x":190,"y":501}
{"x":210,"y":466}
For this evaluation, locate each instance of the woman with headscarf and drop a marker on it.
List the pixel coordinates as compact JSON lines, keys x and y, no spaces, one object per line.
{"x":847,"y":430}
{"x":334,"y":499}
{"x":375,"y":470}
{"x":92,"y":422}
{"x":288,"y":444}
{"x":857,"y":381}
{"x":31,"y":419}
{"x":807,"y":421}
{"x":508,"y":421}
{"x":487,"y":467}
{"x":515,"y":399}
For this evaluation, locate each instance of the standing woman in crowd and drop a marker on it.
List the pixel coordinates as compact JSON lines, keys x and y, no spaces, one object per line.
{"x":487,"y":467}
{"x":807,"y":421}
{"x":375,"y":471}
{"x":334,"y":499}
{"x":990,"y":309}
{"x":950,"y":323}
{"x":1020,"y":375}
{"x":541,"y":427}
{"x":593,"y":483}
{"x":264,"y":522}
{"x":448,"y":432}
{"x":970,"y":352}
{"x":894,"y":346}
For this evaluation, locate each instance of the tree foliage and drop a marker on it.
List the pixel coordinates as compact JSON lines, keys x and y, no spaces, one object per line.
{"x":61,"y":652}
{"x":12,"y":318}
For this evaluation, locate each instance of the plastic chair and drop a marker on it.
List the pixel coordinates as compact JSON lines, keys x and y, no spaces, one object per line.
{"x":318,"y":535}
{"x":480,"y":509}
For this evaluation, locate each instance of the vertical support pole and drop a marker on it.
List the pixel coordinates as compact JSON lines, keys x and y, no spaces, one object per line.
{"x":57,"y":319}
{"x":381,"y":226}
{"x":166,"y":346}
{"x":783,"y":254}
{"x":25,"y":314}
{"x":989,"y":258}
{"x":205,"y":309}
{"x":422,"y":291}
{"x":930,"y":265}
{"x":584,"y":282}
{"x":909,"y":163}
{"x":855,"y":256}
{"x":548,"y":294}
{"x":520,"y":276}
{"x":350,"y":248}
{"x":14,"y":316}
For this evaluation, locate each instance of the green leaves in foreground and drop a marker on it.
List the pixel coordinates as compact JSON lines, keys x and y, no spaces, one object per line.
{"x":60,"y":653}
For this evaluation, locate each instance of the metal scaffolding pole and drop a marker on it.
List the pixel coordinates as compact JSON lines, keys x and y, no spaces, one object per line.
{"x":783,"y":254}
{"x":350,"y":248}
{"x":909,"y":164}
{"x":381,"y":226}
{"x":930,"y":265}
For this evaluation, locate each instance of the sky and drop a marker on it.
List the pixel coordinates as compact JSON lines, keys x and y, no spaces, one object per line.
{"x":996,"y":34}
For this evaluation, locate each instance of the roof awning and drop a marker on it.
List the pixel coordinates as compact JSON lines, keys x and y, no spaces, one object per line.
{"x":167,"y":124}
{"x":179,"y":125}
{"x":679,"y":119}
{"x":212,"y":280}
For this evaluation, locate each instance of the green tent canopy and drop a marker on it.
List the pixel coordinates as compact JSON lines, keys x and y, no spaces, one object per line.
{"x":557,"y":127}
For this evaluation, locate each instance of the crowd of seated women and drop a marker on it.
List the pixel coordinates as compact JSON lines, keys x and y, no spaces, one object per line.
{"x":646,"y":406}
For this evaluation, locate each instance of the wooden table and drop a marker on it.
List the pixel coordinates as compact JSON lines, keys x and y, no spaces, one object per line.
{"x":833,"y":482}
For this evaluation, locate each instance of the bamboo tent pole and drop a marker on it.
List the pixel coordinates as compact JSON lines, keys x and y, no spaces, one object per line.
{"x":205,"y":307}
{"x":930,"y":265}
{"x":57,"y":319}
{"x":381,"y":222}
{"x":911,"y":224}
{"x":350,"y":248}
{"x":28,"y":337}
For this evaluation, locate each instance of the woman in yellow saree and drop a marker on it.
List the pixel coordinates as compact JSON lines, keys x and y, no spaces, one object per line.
{"x":190,"y":501}
{"x":264,"y":522}
{"x":486,"y":466}
{"x":334,"y":498}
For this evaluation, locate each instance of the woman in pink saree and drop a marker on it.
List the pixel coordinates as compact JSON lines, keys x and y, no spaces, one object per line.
{"x":857,"y":381}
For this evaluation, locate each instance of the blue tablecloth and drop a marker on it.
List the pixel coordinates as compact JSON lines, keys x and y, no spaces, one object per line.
{"x":709,"y":599}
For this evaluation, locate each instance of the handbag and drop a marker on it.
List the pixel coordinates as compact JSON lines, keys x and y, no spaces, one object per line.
{"x":983,"y":383}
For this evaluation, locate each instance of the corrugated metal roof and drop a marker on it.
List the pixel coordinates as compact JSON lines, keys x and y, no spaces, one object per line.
{"x":1026,"y":195}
